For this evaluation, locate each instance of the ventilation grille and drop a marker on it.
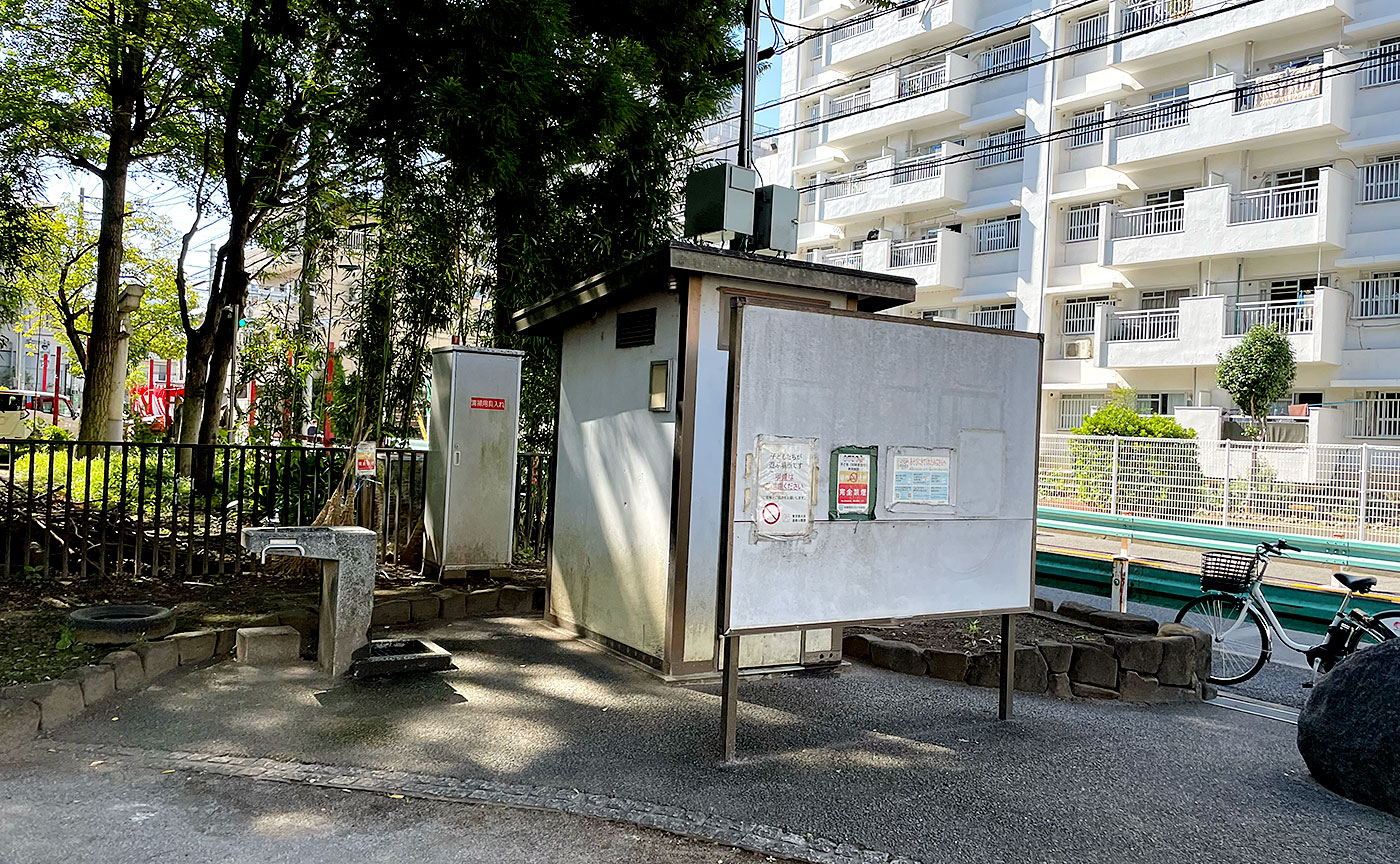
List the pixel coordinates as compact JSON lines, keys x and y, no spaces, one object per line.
{"x":635,"y":329}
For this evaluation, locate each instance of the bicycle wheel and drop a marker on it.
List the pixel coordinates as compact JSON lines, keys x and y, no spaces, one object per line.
{"x":1239,"y":649}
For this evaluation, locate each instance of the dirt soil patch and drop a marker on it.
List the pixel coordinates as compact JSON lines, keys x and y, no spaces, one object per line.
{"x":33,"y":611}
{"x":979,"y":633}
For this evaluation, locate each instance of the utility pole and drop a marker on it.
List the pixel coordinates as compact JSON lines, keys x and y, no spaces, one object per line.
{"x":749,"y":93}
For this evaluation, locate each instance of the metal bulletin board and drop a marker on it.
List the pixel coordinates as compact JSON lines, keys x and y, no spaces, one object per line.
{"x":880,"y":468}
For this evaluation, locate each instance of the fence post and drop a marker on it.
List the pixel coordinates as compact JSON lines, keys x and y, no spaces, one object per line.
{"x":1225,"y":511}
{"x":1113,"y":482}
{"x":1364,"y":490}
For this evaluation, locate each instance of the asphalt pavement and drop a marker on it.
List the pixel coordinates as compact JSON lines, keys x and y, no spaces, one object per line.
{"x":57,"y":808}
{"x":872,"y":759}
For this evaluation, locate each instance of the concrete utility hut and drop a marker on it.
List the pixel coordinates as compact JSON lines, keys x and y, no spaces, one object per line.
{"x":633,"y":551}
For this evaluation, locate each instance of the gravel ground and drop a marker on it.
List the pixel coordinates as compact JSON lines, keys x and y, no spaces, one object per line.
{"x":883,"y":761}
{"x":57,"y":809}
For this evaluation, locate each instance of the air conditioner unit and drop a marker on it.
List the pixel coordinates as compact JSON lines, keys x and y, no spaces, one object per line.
{"x":1079,"y":349}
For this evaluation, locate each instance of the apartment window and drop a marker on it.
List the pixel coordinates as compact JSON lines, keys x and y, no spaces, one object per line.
{"x":1293,"y":289}
{"x":1005,"y":56}
{"x":1166,"y":299}
{"x":1161,"y":403}
{"x":1296,"y":62}
{"x":1166,"y":196}
{"x":1181,"y":91}
{"x":1082,"y":222}
{"x":1382,"y":63}
{"x":1076,"y":407}
{"x":1002,"y":147}
{"x":1380,"y":180}
{"x":1086,"y":128}
{"x":1292,"y":177}
{"x":997,"y":235}
{"x":1377,"y":415}
{"x":1378,"y":296}
{"x":939,"y":314}
{"x":1078,"y":317}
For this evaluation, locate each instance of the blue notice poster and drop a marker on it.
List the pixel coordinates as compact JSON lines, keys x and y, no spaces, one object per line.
{"x":921,"y":478}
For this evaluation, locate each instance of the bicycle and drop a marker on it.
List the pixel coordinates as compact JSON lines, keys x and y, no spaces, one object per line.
{"x":1239,"y":619}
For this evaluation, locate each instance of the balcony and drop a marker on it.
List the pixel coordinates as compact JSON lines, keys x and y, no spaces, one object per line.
{"x":897,"y":32}
{"x":900,"y":100}
{"x":939,"y":261}
{"x":813,"y":11}
{"x":1227,"y":113}
{"x":999,"y":319}
{"x":886,"y":186}
{"x":1377,"y":298}
{"x":1204,"y":327}
{"x":1213,"y":221}
{"x":1190,"y":36}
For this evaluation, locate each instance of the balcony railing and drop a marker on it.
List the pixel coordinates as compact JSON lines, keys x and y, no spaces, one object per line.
{"x":1090,"y":31}
{"x":842,"y":185}
{"x":1377,"y":416}
{"x":1279,"y":202}
{"x":1144,"y":324}
{"x":1382,"y":66}
{"x":855,"y":28}
{"x":1146,"y":13}
{"x":1166,"y":114}
{"x":1377,"y":298}
{"x":1082,"y":223}
{"x":1086,"y":129}
{"x":849,"y":259}
{"x":999,"y":236}
{"x":914,"y":253}
{"x":1279,"y":88}
{"x":1150,"y":221}
{"x":1288,"y":316}
{"x":924,"y":79}
{"x":1006,"y":56}
{"x":1001,"y":148}
{"x":1001,"y":319}
{"x":925,"y":167}
{"x":1380,"y":181}
{"x":849,"y":103}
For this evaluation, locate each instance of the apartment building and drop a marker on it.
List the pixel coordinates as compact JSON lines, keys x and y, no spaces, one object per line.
{"x":1141,"y":180}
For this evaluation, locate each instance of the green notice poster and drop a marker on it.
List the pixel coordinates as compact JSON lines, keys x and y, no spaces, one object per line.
{"x":853,"y":475}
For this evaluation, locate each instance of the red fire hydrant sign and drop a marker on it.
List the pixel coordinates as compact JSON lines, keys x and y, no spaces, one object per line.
{"x":853,"y":477}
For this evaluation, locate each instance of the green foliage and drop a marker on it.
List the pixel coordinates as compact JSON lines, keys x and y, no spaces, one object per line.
{"x":1149,"y":478}
{"x":1257,"y":372}
{"x":1117,"y":419}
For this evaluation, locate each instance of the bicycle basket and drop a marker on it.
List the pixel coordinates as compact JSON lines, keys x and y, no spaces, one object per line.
{"x":1227,"y":571}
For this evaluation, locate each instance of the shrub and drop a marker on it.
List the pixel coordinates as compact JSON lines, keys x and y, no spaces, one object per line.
{"x":1150,"y":476}
{"x":1119,"y":420}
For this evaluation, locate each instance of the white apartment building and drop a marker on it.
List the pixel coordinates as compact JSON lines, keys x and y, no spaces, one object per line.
{"x":1226,"y":163}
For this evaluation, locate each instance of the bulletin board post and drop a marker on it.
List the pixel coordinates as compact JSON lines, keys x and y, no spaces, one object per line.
{"x":948,"y":480}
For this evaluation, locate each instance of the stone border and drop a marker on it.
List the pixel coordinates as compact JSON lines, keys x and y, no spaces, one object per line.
{"x":1163,"y":664}
{"x":752,"y":836}
{"x":28,"y":709}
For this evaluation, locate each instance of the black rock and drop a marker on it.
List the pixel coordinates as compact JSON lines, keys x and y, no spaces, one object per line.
{"x":1349,"y":729}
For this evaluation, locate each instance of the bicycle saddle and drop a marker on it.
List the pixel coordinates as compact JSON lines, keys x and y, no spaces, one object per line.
{"x":1358,"y":584}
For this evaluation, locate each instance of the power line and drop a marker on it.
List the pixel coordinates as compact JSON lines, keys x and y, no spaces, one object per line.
{"x":1343,"y":68}
{"x":872,"y":71}
{"x":998,"y":72}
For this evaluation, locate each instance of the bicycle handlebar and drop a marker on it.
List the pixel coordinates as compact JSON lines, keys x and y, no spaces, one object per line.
{"x":1267,"y":548}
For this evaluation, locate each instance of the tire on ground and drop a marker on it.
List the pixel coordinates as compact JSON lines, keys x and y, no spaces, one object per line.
{"x":119,"y":624}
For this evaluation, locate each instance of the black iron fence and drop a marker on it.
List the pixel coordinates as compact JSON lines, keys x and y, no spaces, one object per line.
{"x":73,"y":509}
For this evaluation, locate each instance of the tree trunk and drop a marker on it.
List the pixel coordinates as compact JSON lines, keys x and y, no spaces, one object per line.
{"x":100,"y":375}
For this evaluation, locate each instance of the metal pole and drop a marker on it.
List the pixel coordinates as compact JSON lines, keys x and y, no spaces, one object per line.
{"x":1113,"y":482}
{"x":1225,"y":510}
{"x":1365,"y":482}
{"x":749,"y":94}
{"x":57,"y":376}
{"x":1120,"y":582}
{"x":729,"y":698}
{"x":1008,"y":666}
